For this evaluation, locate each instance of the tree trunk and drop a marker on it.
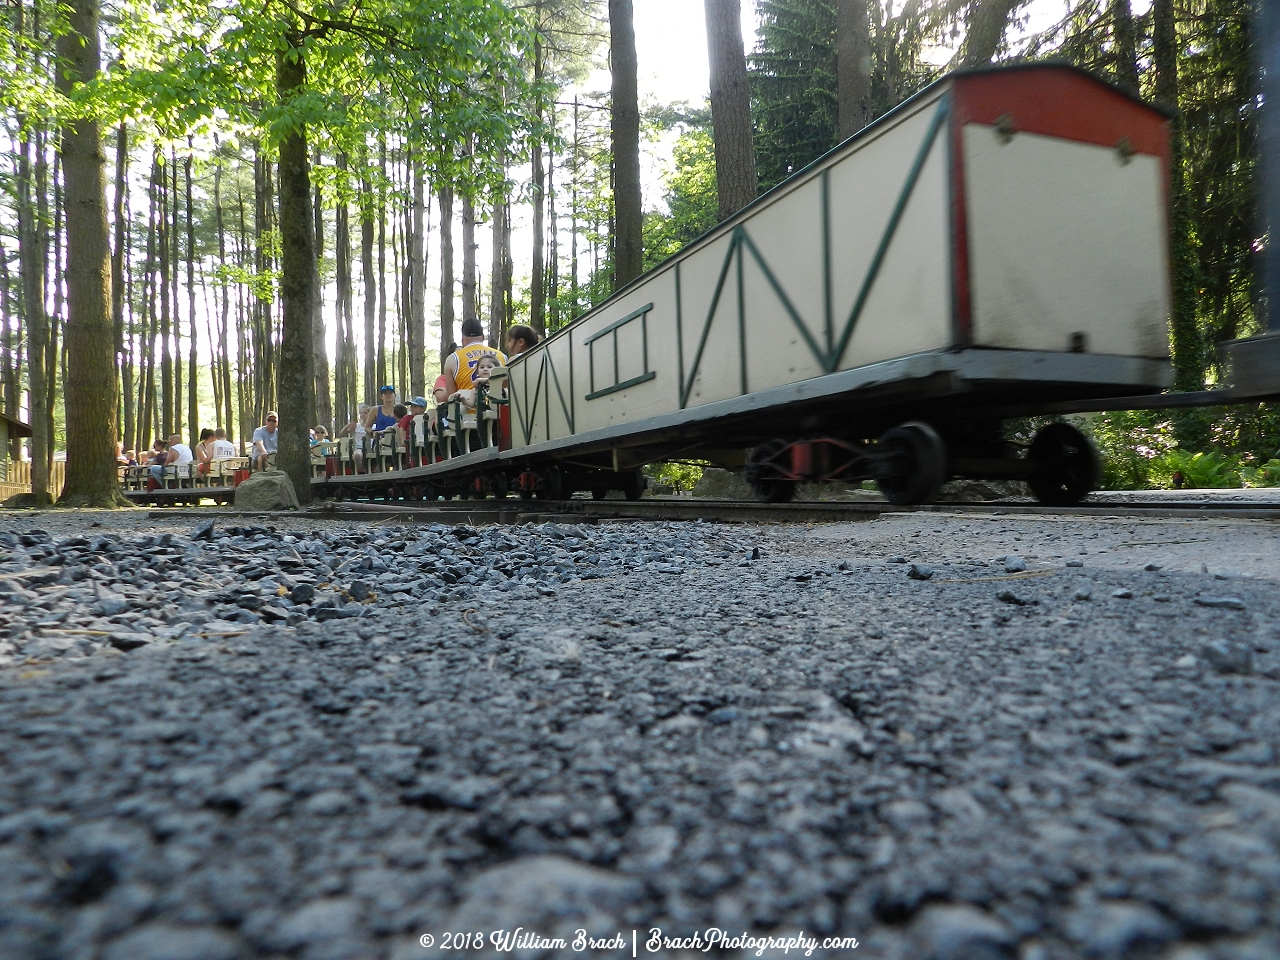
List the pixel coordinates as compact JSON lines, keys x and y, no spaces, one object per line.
{"x":575,"y":169}
{"x":628,"y":241}
{"x":244,"y":321}
{"x":9,"y":340}
{"x":370,"y":392}
{"x":468,"y":258}
{"x":730,"y":107}
{"x":1125,"y":45}
{"x":31,"y":265}
{"x":417,"y":320}
{"x":296,"y":386}
{"x":988,"y":20}
{"x":370,"y":291}
{"x":163,"y":246}
{"x":323,"y":412}
{"x":90,"y":386}
{"x":853,"y":66}
{"x":344,"y":391}
{"x":147,"y":334}
{"x":118,"y":254}
{"x":446,"y":272}
{"x":1188,"y":359}
{"x":1267,"y":51}
{"x":53,"y":356}
{"x":537,"y":289}
{"x":193,"y":409}
{"x":508,"y":270}
{"x":553,"y":279}
{"x":175,"y":259}
{"x":224,"y":304}
{"x":263,"y":353}
{"x":497,"y":270}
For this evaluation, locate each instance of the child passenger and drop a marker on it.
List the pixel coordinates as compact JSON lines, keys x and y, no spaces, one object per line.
{"x":484,"y":367}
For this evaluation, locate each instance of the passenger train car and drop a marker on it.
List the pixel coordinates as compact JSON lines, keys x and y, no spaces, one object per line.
{"x":993,"y":245}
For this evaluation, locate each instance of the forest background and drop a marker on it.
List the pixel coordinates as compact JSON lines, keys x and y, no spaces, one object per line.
{"x":464,"y":161}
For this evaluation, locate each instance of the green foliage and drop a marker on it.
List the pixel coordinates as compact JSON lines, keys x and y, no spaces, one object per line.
{"x":1263,"y":475}
{"x":691,"y":199}
{"x":1204,"y":470}
{"x":1209,"y":446}
{"x":680,"y":476}
{"x":792,"y":73}
{"x":1217,"y":106}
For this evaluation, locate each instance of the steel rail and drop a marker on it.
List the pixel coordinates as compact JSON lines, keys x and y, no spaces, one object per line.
{"x":511,"y":510}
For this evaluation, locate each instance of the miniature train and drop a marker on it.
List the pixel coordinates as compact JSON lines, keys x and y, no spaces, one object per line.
{"x":991,"y":248}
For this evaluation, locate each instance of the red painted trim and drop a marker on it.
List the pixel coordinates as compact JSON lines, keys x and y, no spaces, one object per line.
{"x":1061,"y":103}
{"x":1051,"y":101}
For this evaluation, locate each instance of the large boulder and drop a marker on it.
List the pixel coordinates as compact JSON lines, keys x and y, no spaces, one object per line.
{"x":718,"y":484}
{"x":268,"y":490}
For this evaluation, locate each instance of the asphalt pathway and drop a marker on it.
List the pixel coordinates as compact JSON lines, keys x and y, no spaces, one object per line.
{"x":946,"y":737}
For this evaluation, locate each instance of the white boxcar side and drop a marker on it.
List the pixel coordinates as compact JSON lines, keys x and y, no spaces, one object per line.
{"x":1002,"y":234}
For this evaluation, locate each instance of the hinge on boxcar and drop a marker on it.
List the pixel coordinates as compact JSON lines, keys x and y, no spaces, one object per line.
{"x":1005,"y":128}
{"x":1125,"y":149}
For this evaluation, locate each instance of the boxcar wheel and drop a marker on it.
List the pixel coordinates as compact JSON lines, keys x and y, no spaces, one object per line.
{"x":1064,"y":465}
{"x":918,"y":463}
{"x":635,"y":485}
{"x":768,"y":488}
{"x":552,"y":485}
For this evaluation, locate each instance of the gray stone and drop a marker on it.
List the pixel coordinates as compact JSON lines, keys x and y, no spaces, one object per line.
{"x":329,"y":802}
{"x":1116,"y":928}
{"x":918,"y":571}
{"x":1122,"y":594}
{"x":1227,"y":657}
{"x":331,"y":918}
{"x":1220,"y":603}
{"x":1014,"y":564}
{"x":436,"y":791}
{"x":159,"y":941}
{"x":267,"y":490}
{"x":125,"y":641}
{"x":962,"y":932}
{"x":1008,"y":596}
{"x":1075,"y":563}
{"x":550,"y":894}
{"x":1153,"y":567}
{"x":1083,"y":593}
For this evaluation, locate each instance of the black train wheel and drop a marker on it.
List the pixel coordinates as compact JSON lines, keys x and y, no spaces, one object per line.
{"x":551,"y":486}
{"x":635,"y":484}
{"x":1064,"y":465}
{"x":917,"y":465}
{"x":768,"y":487}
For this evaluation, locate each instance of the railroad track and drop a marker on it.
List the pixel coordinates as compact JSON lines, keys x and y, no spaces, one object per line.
{"x":512,"y":510}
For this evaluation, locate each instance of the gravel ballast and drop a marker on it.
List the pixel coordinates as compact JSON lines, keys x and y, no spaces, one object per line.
{"x":945,"y":736}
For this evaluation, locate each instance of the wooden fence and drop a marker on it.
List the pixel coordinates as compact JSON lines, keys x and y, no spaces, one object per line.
{"x":15,"y":477}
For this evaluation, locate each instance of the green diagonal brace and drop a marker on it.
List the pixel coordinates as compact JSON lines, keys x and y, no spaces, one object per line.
{"x":939,"y":116}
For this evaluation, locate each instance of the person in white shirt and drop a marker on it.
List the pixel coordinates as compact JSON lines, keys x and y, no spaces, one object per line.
{"x":179,"y":454}
{"x":265,"y":440}
{"x":222,"y":447}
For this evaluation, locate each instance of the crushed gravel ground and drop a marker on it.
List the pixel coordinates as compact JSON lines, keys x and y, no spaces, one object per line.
{"x":944,"y":736}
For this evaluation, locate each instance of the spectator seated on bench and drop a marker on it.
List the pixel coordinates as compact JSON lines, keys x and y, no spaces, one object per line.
{"x":266,"y":440}
{"x":177,"y":459}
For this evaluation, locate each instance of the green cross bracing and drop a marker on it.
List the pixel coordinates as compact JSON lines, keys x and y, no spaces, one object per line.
{"x":832,"y":352}
{"x":527,"y":413}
